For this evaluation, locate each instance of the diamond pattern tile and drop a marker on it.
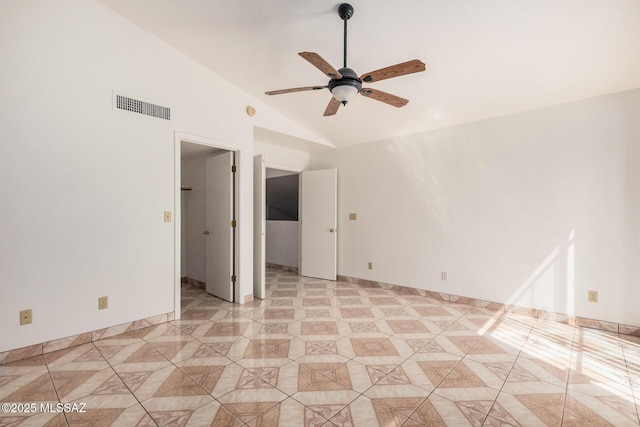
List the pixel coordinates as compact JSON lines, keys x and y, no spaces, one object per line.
{"x":323,"y":353}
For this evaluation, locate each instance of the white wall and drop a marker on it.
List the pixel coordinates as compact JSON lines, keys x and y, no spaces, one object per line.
{"x":83,"y":188}
{"x":532,"y":209}
{"x":282,"y":243}
{"x":281,"y":157}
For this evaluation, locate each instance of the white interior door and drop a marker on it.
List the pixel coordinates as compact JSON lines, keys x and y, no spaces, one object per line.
{"x":219,"y":233}
{"x":259,"y":226}
{"x":318,"y":219}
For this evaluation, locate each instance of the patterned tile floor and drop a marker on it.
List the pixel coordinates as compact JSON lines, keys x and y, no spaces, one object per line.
{"x":320,"y":353}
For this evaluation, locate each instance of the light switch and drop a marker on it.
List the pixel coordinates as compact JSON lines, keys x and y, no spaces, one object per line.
{"x":353,"y":216}
{"x":167,"y":216}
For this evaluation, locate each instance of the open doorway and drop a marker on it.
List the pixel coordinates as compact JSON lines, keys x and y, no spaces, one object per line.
{"x":282,"y":219}
{"x":300,"y":229}
{"x":206,"y":244}
{"x":193,"y":211}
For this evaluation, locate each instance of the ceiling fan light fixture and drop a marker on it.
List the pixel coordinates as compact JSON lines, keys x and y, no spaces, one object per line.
{"x":344,"y":93}
{"x":347,"y":87}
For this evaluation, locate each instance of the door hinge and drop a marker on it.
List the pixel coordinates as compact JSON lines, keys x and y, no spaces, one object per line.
{"x":233,"y":278}
{"x":233,"y":168}
{"x":233,"y":223}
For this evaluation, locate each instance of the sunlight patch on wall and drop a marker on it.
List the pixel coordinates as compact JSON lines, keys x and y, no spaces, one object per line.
{"x":538,"y":290}
{"x":571,"y":291}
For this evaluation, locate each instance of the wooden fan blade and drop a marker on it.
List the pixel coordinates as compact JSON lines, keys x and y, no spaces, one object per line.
{"x":385,"y":97}
{"x":409,"y":67}
{"x":322,"y":65}
{"x":294,"y":89}
{"x":332,"y":108}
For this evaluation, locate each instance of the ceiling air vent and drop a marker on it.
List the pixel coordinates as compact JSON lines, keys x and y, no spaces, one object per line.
{"x":142,"y":107}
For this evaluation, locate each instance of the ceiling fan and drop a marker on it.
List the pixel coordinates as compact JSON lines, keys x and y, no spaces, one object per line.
{"x":345,"y":83}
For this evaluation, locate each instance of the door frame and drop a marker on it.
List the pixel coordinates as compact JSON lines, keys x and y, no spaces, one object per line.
{"x":259,"y":226}
{"x":180,"y":137}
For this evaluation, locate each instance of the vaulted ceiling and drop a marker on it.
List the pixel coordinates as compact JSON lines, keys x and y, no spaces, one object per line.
{"x":484,"y":58}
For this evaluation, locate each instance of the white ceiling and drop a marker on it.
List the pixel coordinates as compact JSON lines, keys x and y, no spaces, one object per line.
{"x":484,"y":58}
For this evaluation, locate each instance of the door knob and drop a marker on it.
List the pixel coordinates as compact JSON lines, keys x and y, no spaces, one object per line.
{"x":206,"y":232}
{"x":332,"y":230}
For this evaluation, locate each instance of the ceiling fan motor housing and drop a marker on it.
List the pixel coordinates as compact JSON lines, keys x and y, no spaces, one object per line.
{"x":349,"y":78}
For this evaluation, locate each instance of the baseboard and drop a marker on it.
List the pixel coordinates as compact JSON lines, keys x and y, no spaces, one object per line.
{"x":84,"y":338}
{"x":87,"y":337}
{"x":193,"y":282}
{"x":500,"y":307}
{"x":282,"y":267}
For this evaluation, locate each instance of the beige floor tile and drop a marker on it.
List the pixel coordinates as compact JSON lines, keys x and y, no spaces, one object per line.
{"x":311,"y":348}
{"x":233,"y":348}
{"x":535,"y":408}
{"x":175,"y":348}
{"x":439,"y":411}
{"x":106,"y":410}
{"x":531,"y":369}
{"x":25,"y":381}
{"x":74,"y":384}
{"x":323,"y":353}
{"x":326,"y":397}
{"x":212,"y":414}
{"x":428,"y":370}
{"x":162,"y":330}
{"x":128,"y":350}
{"x":251,"y":403}
{"x":357,"y":376}
{"x":366,"y":412}
{"x":457,"y":342}
{"x":84,"y":356}
{"x":33,"y":419}
{"x":208,"y":373}
{"x":617,"y":408}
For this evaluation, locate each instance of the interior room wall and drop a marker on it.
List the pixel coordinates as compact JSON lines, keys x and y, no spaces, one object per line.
{"x":533,"y":209}
{"x":84,"y":187}
{"x":281,"y":244}
{"x":283,"y":158}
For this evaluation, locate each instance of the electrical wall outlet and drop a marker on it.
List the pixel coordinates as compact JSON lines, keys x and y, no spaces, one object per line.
{"x":103,"y":303}
{"x":370,"y":266}
{"x":167,"y":216}
{"x":443,"y":276}
{"x":26,"y":317}
{"x":593,"y":296}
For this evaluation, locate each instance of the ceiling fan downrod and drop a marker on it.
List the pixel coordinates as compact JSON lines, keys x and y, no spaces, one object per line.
{"x":345,"y":11}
